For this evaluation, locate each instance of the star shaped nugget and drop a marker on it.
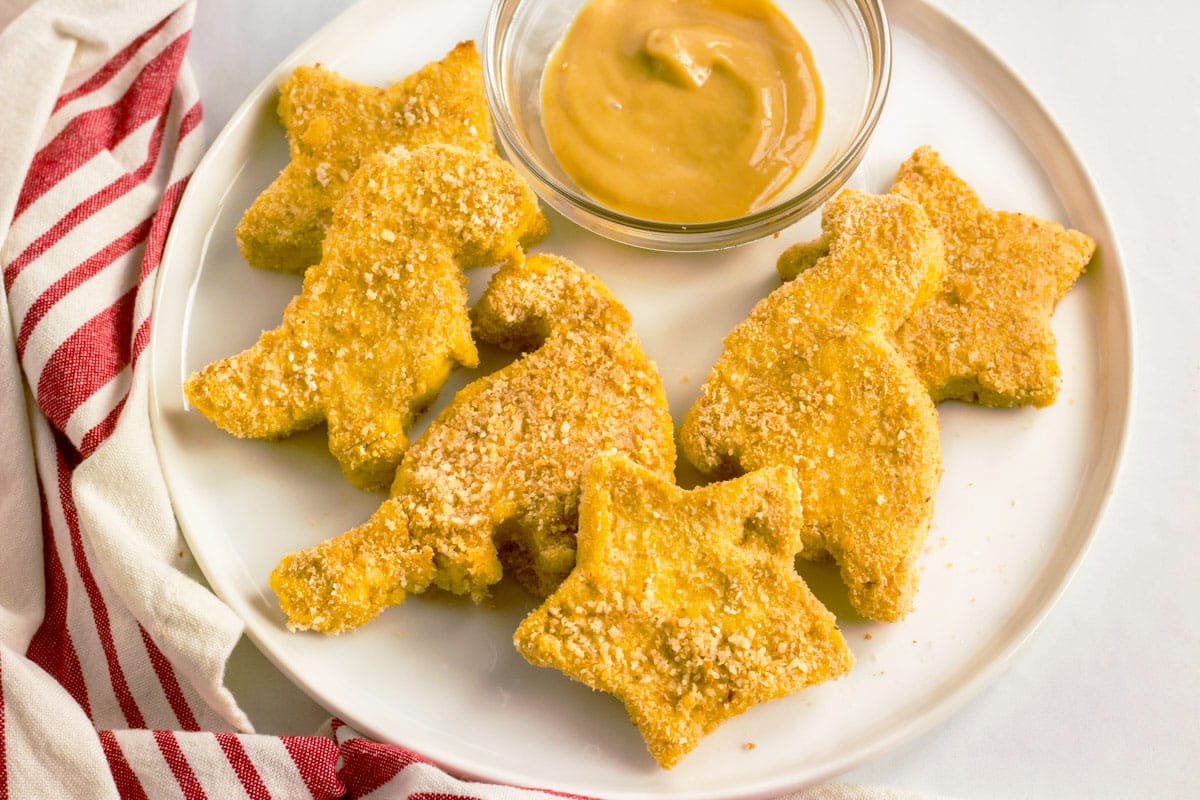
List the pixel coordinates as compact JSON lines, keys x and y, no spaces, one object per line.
{"x":494,"y":480}
{"x":333,"y":125}
{"x":985,"y":337}
{"x":383,"y":318}
{"x":686,"y":605}
{"x":811,"y":380}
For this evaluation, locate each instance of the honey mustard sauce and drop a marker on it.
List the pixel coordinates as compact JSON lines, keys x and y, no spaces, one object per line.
{"x":681,"y":110}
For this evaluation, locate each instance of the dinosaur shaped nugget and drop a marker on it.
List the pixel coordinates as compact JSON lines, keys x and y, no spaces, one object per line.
{"x":493,"y":483}
{"x":811,"y":380}
{"x":686,"y":605}
{"x":333,"y":125}
{"x":383,"y":318}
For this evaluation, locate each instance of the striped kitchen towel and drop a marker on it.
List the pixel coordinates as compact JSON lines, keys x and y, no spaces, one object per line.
{"x":112,"y":655}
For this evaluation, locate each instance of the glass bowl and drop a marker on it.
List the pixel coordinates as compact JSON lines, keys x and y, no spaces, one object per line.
{"x":851,"y":48}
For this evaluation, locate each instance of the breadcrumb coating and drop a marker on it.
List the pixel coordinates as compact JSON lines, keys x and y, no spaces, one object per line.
{"x":333,"y":125}
{"x":383,"y":318}
{"x":686,"y":605}
{"x":811,"y":380}
{"x":986,"y":337}
{"x":493,"y":483}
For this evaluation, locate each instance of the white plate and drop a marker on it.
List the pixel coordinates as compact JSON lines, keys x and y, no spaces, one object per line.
{"x":1021,"y":495}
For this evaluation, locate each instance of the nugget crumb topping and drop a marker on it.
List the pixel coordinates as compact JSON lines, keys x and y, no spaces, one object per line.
{"x":334,"y":125}
{"x":986,"y":337}
{"x":493,"y":483}
{"x":382,"y":319}
{"x":811,"y":380}
{"x":686,"y":605}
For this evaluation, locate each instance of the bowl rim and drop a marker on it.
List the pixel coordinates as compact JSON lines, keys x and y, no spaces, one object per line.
{"x":873,"y":24}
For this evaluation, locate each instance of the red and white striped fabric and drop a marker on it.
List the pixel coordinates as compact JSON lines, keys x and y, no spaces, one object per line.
{"x":111,"y":655}
{"x":103,"y":634}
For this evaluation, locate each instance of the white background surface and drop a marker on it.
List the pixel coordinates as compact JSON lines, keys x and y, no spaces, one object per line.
{"x":1104,"y":700}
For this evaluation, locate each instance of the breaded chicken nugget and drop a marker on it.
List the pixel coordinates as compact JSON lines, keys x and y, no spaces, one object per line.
{"x":495,"y":478}
{"x":811,"y":380}
{"x":686,"y":605}
{"x":383,"y":318}
{"x":985,"y":337}
{"x":334,"y":124}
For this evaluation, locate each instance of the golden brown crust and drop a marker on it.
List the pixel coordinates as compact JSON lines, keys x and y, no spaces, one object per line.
{"x":345,"y":581}
{"x":587,"y":387}
{"x":495,"y":478}
{"x":383,"y":318}
{"x":686,"y":605}
{"x":811,"y":380}
{"x":333,"y":125}
{"x":985,"y":337}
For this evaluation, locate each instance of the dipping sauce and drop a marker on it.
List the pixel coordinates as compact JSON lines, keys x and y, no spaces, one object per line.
{"x":681,"y":110}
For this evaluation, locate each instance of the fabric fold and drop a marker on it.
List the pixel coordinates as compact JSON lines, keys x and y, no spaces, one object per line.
{"x":96,"y":586}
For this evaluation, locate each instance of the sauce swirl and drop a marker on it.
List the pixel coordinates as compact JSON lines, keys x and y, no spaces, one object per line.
{"x":681,"y":110}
